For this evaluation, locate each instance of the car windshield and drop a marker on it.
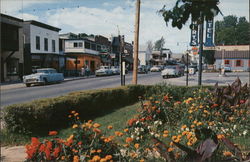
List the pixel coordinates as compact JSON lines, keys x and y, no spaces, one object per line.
{"x":170,"y":67}
{"x":42,"y":71}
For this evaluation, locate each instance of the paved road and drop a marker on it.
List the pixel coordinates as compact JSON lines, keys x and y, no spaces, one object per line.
{"x":22,"y":94}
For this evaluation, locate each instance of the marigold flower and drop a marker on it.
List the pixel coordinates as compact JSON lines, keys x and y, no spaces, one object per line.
{"x":76,"y":159}
{"x":165,"y":135}
{"x":227,"y":153}
{"x":52,"y":133}
{"x":117,"y":133}
{"x":220,"y":136}
{"x":108,"y":157}
{"x":126,"y":145}
{"x":56,"y":152}
{"x":133,"y":154}
{"x":110,"y":127}
{"x":75,"y":126}
{"x":125,"y":130}
{"x":189,"y":143}
{"x":184,"y":133}
{"x":96,"y":125}
{"x":142,"y":160}
{"x":76,"y":114}
{"x":184,"y":126}
{"x":174,"y":138}
{"x":90,"y":121}
{"x":96,"y":158}
{"x":171,"y":144}
{"x":96,"y":130}
{"x":92,"y":151}
{"x":137,"y":145}
{"x":129,"y":139}
{"x":99,"y":150}
{"x":199,"y":123}
{"x":192,"y":126}
{"x":72,"y":112}
{"x":103,"y":160}
{"x":63,"y":158}
{"x":106,"y":140}
{"x":70,"y":116}
{"x":170,"y":149}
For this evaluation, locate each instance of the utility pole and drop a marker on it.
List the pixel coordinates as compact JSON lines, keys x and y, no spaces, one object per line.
{"x":200,"y":49}
{"x":136,"y":42}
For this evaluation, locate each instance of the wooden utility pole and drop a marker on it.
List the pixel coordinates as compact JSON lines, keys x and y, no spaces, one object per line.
{"x":200,"y":50}
{"x":136,"y":42}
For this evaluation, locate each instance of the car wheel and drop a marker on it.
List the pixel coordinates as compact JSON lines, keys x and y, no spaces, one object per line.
{"x":28,"y":84}
{"x":45,"y":81}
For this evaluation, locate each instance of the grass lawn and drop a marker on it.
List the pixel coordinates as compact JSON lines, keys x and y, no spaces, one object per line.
{"x":118,"y":119}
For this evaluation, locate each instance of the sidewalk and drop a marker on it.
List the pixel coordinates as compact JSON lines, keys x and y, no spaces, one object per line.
{"x":13,"y":154}
{"x":19,"y":84}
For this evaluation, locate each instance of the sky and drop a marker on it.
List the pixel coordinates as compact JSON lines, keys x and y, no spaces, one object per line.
{"x":110,"y":17}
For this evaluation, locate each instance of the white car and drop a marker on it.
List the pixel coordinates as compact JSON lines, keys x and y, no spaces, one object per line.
{"x":103,"y":71}
{"x":115,"y":70}
{"x":43,"y":76}
{"x":155,"y":69}
{"x":170,"y":71}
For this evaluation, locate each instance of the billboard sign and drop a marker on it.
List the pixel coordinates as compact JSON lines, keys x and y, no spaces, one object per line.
{"x":194,"y":34}
{"x":209,"y":34}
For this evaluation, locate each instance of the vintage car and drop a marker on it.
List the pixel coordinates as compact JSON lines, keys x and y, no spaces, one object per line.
{"x":115,"y":70}
{"x":142,"y":69}
{"x":156,"y":69}
{"x":43,"y":76}
{"x":103,"y":71}
{"x":171,"y":71}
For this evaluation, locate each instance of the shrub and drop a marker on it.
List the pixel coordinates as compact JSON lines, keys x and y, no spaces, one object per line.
{"x":42,"y":115}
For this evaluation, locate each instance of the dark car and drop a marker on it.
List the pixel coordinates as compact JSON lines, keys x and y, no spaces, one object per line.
{"x":142,"y":69}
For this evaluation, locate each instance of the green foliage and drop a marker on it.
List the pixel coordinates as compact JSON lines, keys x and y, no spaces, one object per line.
{"x":159,"y":44}
{"x":197,"y":9}
{"x":232,"y":31}
{"x":209,"y":56}
{"x":42,"y":115}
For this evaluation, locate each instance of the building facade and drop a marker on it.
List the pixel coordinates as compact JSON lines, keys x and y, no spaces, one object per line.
{"x":12,"y":60}
{"x":82,"y":53}
{"x":42,"y":46}
{"x":161,"y":57}
{"x":236,"y":57}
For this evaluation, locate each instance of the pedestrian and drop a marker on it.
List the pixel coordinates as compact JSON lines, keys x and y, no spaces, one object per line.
{"x":83,"y":71}
{"x":87,"y":71}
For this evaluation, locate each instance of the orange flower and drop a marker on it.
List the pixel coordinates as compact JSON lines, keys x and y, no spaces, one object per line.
{"x":75,"y":126}
{"x":76,"y":159}
{"x":96,"y":158}
{"x":131,"y":122}
{"x":129,"y":139}
{"x":63,"y":158}
{"x":166,"y":98}
{"x":79,"y":143}
{"x":117,"y":133}
{"x":110,"y":127}
{"x":170,"y":149}
{"x":142,"y":160}
{"x":137,"y":145}
{"x":184,"y":126}
{"x":99,"y":150}
{"x":106,"y":140}
{"x":56,"y":152}
{"x":165,"y":135}
{"x":98,"y":131}
{"x":103,"y":160}
{"x":125,"y":130}
{"x":96,"y":125}
{"x":76,"y":114}
{"x":227,"y":153}
{"x":126,"y":145}
{"x":220,"y":136}
{"x":72,"y":112}
{"x":108,"y":157}
{"x":52,"y":133}
{"x":214,"y":105}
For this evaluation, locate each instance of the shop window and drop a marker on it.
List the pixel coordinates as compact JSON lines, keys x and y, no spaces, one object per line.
{"x":53,"y":46}
{"x":80,"y":44}
{"x":227,"y":62}
{"x":93,"y":46}
{"x":12,"y":66}
{"x":238,"y":63}
{"x":75,"y":44}
{"x":37,"y":42}
{"x":87,"y":45}
{"x":45,"y":44}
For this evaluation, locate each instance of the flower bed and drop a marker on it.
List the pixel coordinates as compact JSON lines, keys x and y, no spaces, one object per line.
{"x":166,"y":128}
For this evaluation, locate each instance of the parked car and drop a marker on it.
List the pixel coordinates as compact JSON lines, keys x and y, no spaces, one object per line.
{"x":103,"y":71}
{"x":43,"y":76}
{"x":115,"y":70}
{"x":155,"y":69}
{"x":171,"y":71}
{"x":142,"y":69}
{"x":228,"y":69}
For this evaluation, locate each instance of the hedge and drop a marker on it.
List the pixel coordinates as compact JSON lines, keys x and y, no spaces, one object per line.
{"x":40,"y":116}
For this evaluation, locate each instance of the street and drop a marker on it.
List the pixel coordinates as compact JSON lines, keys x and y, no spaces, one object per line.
{"x":22,"y":94}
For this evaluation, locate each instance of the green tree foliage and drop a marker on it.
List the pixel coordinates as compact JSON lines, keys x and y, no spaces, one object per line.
{"x":232,"y":31}
{"x":197,"y":9}
{"x":159,"y":44}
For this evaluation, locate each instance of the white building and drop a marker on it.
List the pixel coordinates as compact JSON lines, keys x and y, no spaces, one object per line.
{"x":42,"y":45}
{"x":144,"y":55}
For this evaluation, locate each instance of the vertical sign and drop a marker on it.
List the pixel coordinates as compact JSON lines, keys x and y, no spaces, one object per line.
{"x":209,"y":34}
{"x":194,"y":34}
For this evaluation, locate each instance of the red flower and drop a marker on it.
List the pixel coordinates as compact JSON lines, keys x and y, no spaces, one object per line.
{"x":242,"y":101}
{"x":53,"y":133}
{"x":47,"y":154}
{"x":131,"y":122}
{"x":42,"y":148}
{"x":214,"y":105}
{"x":56,"y":152}
{"x":80,"y":143}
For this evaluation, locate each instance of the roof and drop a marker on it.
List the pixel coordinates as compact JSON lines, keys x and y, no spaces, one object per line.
{"x":40,"y":24}
{"x":11,"y":17}
{"x":11,"y":20}
{"x":232,"y":54}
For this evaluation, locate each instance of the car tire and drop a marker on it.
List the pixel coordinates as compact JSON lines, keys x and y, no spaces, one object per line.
{"x":45,"y":81}
{"x":28,"y":84}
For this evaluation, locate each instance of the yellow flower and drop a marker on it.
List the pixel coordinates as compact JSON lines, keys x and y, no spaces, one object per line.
{"x":96,"y":125}
{"x":75,"y":126}
{"x":190,"y":111}
{"x":165,"y":135}
{"x":137,"y":145}
{"x":189,"y":143}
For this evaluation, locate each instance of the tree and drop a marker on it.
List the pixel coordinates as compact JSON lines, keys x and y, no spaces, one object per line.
{"x":197,"y":9}
{"x":232,"y":31}
{"x":149,"y":45}
{"x":159,"y":44}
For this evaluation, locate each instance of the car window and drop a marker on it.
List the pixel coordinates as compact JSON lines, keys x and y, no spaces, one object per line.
{"x":42,"y":71}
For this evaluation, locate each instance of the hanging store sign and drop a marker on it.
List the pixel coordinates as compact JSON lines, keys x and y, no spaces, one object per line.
{"x":194,"y":34}
{"x":209,"y":34}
